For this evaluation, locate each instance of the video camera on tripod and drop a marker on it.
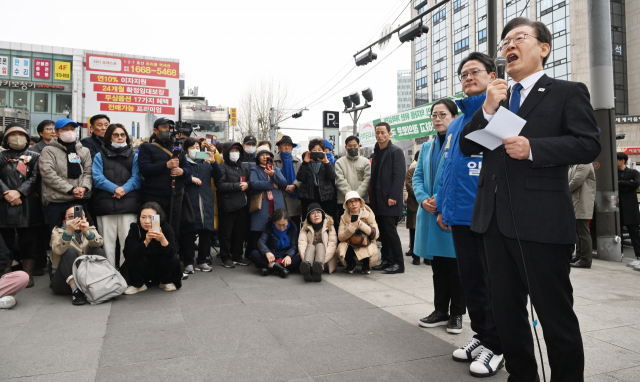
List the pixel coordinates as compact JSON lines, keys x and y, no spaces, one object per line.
{"x":184,"y":129}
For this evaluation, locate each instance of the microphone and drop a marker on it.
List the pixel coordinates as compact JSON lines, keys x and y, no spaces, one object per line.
{"x":500,"y":62}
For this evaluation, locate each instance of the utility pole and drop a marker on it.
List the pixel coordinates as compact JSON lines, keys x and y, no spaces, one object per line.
{"x":492,"y":28}
{"x":272,"y":130}
{"x":608,"y":230}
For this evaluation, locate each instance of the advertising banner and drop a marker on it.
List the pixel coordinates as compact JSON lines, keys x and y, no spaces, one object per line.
{"x":126,"y":89}
{"x":63,"y":71}
{"x":233,"y":116}
{"x":367,"y":134}
{"x":21,"y":67}
{"x":42,"y":69}
{"x":4,"y":66}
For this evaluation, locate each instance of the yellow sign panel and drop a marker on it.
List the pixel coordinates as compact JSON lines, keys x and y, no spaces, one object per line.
{"x":233,"y":116}
{"x":62,"y":71}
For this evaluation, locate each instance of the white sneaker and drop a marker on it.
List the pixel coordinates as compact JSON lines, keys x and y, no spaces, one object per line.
{"x":189,"y":269}
{"x":7,"y":302}
{"x":468,"y":352}
{"x":133,"y":290}
{"x":204,"y":267}
{"x":168,"y":287}
{"x":486,"y":364}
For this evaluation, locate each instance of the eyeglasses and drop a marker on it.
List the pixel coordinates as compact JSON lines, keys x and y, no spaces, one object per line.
{"x":353,"y":201}
{"x":473,"y":74}
{"x":517,"y":39}
{"x":119,"y":135}
{"x":281,"y":227}
{"x":441,"y":116}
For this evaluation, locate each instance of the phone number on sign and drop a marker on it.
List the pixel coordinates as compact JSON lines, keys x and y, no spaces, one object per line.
{"x":137,"y":108}
{"x":158,"y":71}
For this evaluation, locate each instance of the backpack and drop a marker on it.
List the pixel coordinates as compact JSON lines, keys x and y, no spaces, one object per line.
{"x":97,"y":278}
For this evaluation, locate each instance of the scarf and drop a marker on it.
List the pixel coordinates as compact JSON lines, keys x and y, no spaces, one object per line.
{"x":288,"y":171}
{"x":74,"y":169}
{"x":315,"y":166}
{"x":331,"y":158}
{"x":283,"y":239}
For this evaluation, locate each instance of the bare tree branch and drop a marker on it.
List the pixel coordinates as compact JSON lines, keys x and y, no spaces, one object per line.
{"x":254,"y":108}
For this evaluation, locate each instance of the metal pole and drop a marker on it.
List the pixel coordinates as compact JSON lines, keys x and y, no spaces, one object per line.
{"x":602,"y":99}
{"x":492,"y":28}
{"x":272,"y":121}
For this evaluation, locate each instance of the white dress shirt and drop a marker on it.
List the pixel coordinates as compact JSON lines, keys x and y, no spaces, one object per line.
{"x":527,"y":85}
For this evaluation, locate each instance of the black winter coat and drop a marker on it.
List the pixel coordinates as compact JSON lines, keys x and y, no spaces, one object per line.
{"x":326,"y":177}
{"x":94,"y":143}
{"x":268,"y":242}
{"x":29,"y":213}
{"x":389,"y":182}
{"x":230,"y":195}
{"x":628,"y":182}
{"x":202,"y":199}
{"x":117,"y":167}
{"x":156,"y":177}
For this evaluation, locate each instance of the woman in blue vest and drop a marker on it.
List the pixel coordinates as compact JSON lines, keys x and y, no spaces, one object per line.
{"x":432,"y":242}
{"x":116,"y":180}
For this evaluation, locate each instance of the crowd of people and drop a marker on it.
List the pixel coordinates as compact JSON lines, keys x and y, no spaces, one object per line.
{"x":313,"y":214}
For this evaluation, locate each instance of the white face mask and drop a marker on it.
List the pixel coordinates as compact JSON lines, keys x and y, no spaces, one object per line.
{"x":250,"y":149}
{"x":192,"y":154}
{"x":234,"y":156}
{"x":68,"y":136}
{"x":119,"y":145}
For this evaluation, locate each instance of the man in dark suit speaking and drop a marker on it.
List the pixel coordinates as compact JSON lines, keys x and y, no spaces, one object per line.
{"x":523,"y":206}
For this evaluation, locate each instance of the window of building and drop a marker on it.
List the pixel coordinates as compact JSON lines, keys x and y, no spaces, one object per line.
{"x":62,"y":101}
{"x":439,"y":54}
{"x":482,"y":36}
{"x":40,"y":102}
{"x":513,"y":9}
{"x":555,"y":14}
{"x":20,"y":99}
{"x":619,"y":52}
{"x":3,"y":98}
{"x":481,"y":25}
{"x":461,"y":46}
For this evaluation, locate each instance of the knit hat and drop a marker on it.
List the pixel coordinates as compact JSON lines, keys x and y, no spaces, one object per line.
{"x":315,"y":207}
{"x":12,"y":128}
{"x":264,"y":149}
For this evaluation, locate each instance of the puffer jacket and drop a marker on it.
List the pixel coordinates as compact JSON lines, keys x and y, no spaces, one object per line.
{"x":230,"y":195}
{"x":308,"y":189}
{"x":353,"y":174}
{"x":29,"y":213}
{"x":329,"y":240}
{"x":268,"y":242}
{"x":59,"y":246}
{"x":53,"y":171}
{"x":368,"y":226}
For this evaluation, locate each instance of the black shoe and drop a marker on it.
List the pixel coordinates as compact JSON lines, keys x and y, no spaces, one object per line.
{"x":350,"y":268}
{"x":228,"y":264}
{"x":37,"y":271}
{"x":305,"y":269}
{"x":580,"y":264}
{"x":265,"y":271}
{"x":78,"y":298}
{"x":383,"y":265}
{"x":284,"y":272}
{"x":454,"y":326}
{"x":215,"y":243}
{"x":393,"y":269}
{"x":574,"y":259}
{"x":428,"y":262}
{"x":316,"y":275}
{"x":437,"y":318}
{"x":416,"y":261}
{"x":366,"y":268}
{"x":409,"y":253}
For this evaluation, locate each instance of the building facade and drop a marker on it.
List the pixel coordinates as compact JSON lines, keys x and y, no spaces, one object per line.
{"x":404,"y":90}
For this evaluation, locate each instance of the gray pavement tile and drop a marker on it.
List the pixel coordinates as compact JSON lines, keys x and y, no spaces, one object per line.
{"x":292,"y":329}
{"x":270,"y":363}
{"x":170,"y":370}
{"x":602,"y":378}
{"x":590,"y":323}
{"x":59,"y":328}
{"x":627,"y":375}
{"x":277,"y":309}
{"x":605,"y":358}
{"x":339,"y":303}
{"x":62,"y":356}
{"x":356,"y":283}
{"x":388,"y":298}
{"x":625,"y":337}
{"x":386,"y":373}
{"x":620,"y":314}
{"x":9,"y":331}
{"x":202,"y":282}
{"x":305,"y":290}
{"x":73,"y":376}
{"x":269,"y":293}
{"x":250,"y":278}
{"x":145,"y":322}
{"x":407,"y":344}
{"x":2,"y":349}
{"x":151,"y":300}
{"x":207,"y":316}
{"x":331,"y":355}
{"x":145,"y":347}
{"x":230,"y":337}
{"x":219,"y":297}
{"x":444,"y":368}
{"x":368,"y":320}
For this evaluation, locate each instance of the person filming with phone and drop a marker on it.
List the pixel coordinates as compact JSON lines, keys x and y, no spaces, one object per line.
{"x":357,"y":234}
{"x":316,"y":176}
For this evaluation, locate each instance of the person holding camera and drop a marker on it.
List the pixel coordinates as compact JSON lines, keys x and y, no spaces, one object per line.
{"x":165,"y":170}
{"x":316,"y":177}
{"x":357,"y":234}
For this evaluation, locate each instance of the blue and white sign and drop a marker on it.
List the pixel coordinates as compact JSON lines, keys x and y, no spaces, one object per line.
{"x":21,"y":67}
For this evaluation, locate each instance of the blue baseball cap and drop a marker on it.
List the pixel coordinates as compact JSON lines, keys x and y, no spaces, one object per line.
{"x":62,"y":122}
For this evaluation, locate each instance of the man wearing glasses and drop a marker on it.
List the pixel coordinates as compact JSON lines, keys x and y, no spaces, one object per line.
{"x":523,"y":206}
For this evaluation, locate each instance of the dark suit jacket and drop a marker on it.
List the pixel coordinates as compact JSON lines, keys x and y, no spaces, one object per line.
{"x":562,"y":131}
{"x":629,"y":213}
{"x":390,"y":181}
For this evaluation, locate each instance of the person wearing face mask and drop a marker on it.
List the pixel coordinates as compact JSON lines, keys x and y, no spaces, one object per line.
{"x":116,"y":182}
{"x":94,"y":142}
{"x":164,"y":175}
{"x":202,"y":199}
{"x":353,"y":173}
{"x":20,"y":208}
{"x":233,"y":205}
{"x":249,"y":144}
{"x":316,"y":178}
{"x":65,"y":169}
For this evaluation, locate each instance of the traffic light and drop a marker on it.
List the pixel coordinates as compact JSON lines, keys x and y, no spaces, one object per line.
{"x":413,"y":32}
{"x":297,"y":115}
{"x":366,"y":58}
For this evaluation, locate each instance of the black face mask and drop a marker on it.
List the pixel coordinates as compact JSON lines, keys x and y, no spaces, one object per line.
{"x":353,"y":152}
{"x":164,"y":135}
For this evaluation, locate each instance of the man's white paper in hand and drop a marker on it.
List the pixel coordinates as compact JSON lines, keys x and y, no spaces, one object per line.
{"x":504,"y":124}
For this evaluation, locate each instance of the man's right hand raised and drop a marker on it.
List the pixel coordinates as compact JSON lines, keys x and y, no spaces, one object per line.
{"x":496,"y":93}
{"x":173,"y":163}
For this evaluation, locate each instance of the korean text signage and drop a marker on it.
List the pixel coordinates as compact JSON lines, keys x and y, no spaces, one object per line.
{"x":4,"y":66}
{"x":21,"y":67}
{"x":127,"y":88}
{"x":42,"y":69}
{"x":25,"y":85}
{"x":63,"y":71}
{"x":628,"y":119}
{"x":629,"y":150}
{"x":233,"y":116}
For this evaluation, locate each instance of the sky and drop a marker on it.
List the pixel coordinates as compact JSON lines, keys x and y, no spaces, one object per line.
{"x":226,"y":47}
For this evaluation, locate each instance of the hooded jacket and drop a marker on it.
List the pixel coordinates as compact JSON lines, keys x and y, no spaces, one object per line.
{"x":353,"y":174}
{"x":308,"y":189}
{"x":368,"y":226}
{"x":56,"y":186}
{"x":329,"y":240}
{"x":230,"y":195}
{"x":26,"y":181}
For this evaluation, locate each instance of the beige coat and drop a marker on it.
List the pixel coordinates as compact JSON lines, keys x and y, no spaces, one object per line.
{"x":353,"y":174}
{"x":53,"y":170}
{"x":368,"y":226}
{"x":59,"y":246}
{"x":329,"y":239}
{"x":582,"y":184}
{"x":293,"y":206}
